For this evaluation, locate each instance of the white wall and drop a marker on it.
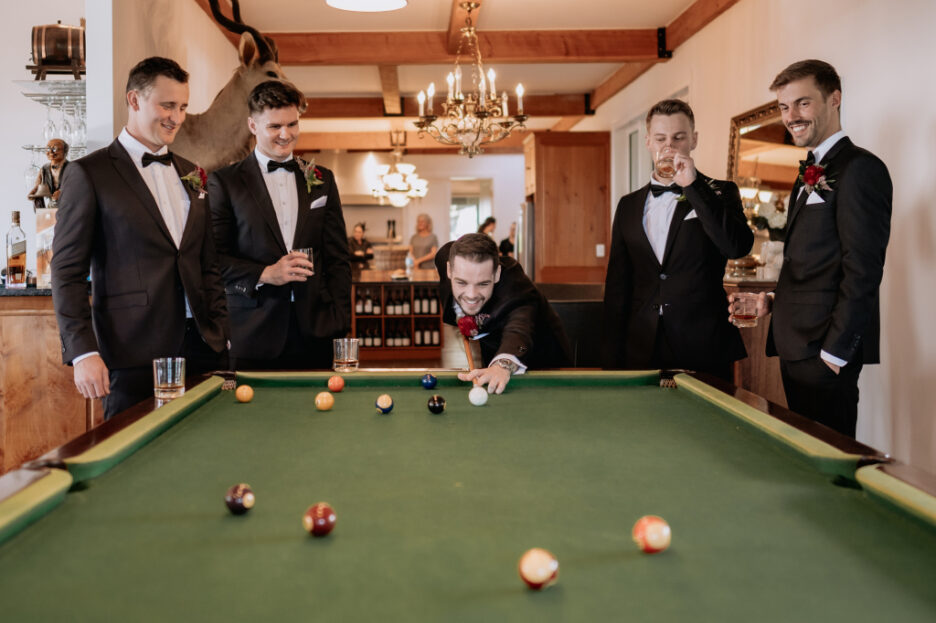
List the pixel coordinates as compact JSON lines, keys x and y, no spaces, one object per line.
{"x":23,"y":119}
{"x":884,"y":52}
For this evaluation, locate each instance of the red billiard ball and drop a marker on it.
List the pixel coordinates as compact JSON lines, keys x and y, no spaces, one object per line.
{"x":319,"y":519}
{"x":538,"y":568}
{"x":652,"y":534}
{"x":336,"y":384}
{"x":240,"y":499}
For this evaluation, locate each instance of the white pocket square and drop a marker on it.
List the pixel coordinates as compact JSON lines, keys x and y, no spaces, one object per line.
{"x":318,"y":203}
{"x":814,"y":198}
{"x":692,"y":214}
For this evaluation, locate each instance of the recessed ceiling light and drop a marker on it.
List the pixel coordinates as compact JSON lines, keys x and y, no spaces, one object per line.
{"x":367,"y":6}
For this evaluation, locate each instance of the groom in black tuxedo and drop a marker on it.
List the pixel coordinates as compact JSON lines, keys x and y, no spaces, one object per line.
{"x":826,"y":312}
{"x":284,"y":309}
{"x":664,"y":299}
{"x":136,"y":215}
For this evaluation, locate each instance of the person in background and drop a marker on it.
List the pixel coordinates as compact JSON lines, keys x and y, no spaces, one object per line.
{"x":50,"y":175}
{"x":424,"y":244}
{"x":507,"y":245}
{"x":488,"y":226}
{"x":360,"y":247}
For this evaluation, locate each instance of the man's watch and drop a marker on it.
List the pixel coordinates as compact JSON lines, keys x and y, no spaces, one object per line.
{"x":507,"y":364}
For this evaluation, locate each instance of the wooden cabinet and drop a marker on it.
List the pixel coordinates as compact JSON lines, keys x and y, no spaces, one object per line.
{"x":397,"y":320}
{"x":568,"y":175}
{"x":40,"y":408}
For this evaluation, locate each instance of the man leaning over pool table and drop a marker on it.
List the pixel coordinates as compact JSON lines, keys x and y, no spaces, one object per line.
{"x":513,"y":322}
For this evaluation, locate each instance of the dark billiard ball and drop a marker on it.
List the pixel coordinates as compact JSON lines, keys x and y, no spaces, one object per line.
{"x":429,"y":381}
{"x":384,"y":404}
{"x":319,"y":519}
{"x":239,"y":499}
{"x":436,"y":404}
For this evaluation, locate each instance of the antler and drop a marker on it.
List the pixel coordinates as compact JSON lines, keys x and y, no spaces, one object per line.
{"x":265,"y":45}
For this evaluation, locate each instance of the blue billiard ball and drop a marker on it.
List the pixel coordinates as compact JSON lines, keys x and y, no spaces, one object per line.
{"x":429,"y":381}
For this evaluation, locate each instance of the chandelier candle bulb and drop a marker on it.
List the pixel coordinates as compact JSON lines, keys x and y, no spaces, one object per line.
{"x":458,"y":90}
{"x":450,"y":78}
{"x":491,"y":75}
{"x":482,"y":89}
{"x":431,"y":94}
{"x":421,"y":98}
{"x":504,"y":102}
{"x":519,"y":99}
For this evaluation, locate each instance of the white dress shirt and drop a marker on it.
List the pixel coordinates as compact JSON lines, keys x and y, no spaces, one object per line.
{"x":281,"y":186}
{"x":657,"y":217}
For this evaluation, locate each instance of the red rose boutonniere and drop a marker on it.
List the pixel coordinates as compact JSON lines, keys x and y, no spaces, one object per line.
{"x":311,"y":173}
{"x":197,"y":180}
{"x":470,"y":326}
{"x":814,"y":178}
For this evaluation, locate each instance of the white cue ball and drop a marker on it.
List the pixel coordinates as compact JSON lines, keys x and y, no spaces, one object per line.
{"x":478,"y":396}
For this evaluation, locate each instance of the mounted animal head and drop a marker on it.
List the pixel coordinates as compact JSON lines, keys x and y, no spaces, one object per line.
{"x":219,"y":136}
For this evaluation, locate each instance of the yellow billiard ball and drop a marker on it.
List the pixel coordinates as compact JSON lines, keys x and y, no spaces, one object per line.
{"x":244,"y":393}
{"x":324,"y":401}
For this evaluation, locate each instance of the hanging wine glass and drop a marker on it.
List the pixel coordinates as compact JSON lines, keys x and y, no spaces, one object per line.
{"x":49,"y":130}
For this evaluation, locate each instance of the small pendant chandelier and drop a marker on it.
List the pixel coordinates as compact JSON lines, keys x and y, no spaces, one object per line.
{"x":478,"y":117}
{"x":398,"y":183}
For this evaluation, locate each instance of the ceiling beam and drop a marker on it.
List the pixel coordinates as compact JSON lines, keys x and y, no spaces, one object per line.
{"x":457,"y":22}
{"x":566,"y":105}
{"x":390,"y":86}
{"x":428,"y":48}
{"x":694,"y":19}
{"x":620,"y":79}
{"x":375,"y":141}
{"x":566,"y":123}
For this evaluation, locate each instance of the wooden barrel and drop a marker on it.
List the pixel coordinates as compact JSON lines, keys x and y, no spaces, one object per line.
{"x":55,"y":44}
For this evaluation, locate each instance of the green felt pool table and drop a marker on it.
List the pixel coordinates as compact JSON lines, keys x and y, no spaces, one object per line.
{"x":772,"y":519}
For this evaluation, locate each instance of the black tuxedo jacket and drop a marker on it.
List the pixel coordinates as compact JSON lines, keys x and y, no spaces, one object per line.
{"x":521,"y":322}
{"x":827,"y":292}
{"x":248,"y":238}
{"x":109,"y":221}
{"x":687,"y":284}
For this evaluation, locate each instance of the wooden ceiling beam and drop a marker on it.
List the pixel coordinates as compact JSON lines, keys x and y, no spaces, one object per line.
{"x":620,"y":79}
{"x":566,"y":105}
{"x":377,"y":141}
{"x":694,"y":19}
{"x":457,"y":22}
{"x":390,"y":86}
{"x":566,"y":123}
{"x":429,"y":48}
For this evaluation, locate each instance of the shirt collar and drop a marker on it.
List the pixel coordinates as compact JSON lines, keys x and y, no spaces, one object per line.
{"x":654,"y":180}
{"x":263,"y":159}
{"x":136,"y":149}
{"x":824,"y":147}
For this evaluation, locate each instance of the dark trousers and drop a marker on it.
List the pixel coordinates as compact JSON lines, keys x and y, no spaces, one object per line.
{"x":664,"y":358}
{"x":814,"y":390}
{"x":299,"y":353}
{"x":129,"y":386}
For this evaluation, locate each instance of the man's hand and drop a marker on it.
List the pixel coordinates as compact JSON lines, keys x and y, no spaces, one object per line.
{"x":92,"y":378}
{"x":685,"y":170}
{"x":764,"y":304}
{"x":495,"y":377}
{"x":294,"y":266}
{"x":832,"y":366}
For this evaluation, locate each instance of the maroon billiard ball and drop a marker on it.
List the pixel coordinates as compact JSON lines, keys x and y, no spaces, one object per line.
{"x":240,"y":499}
{"x":319,"y":519}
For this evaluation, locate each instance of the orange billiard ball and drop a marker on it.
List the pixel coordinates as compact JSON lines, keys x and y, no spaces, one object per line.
{"x":336,"y":384}
{"x":324,"y":401}
{"x":244,"y":393}
{"x":652,"y":534}
{"x":538,"y":568}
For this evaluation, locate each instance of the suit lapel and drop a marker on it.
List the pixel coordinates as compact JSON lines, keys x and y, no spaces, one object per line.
{"x":637,"y":224}
{"x":128,"y":171}
{"x":253,"y":179}
{"x":679,"y":215}
{"x":798,"y":199}
{"x":304,"y":201}
{"x":193,"y":195}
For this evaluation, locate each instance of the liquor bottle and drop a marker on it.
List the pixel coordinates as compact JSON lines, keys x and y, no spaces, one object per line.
{"x":417,"y":302}
{"x":16,"y":254}
{"x":389,"y":307}
{"x":406,"y":337}
{"x":368,"y":338}
{"x":358,"y":304}
{"x":377,"y":341}
{"x":368,"y":303}
{"x":427,"y":336}
{"x":376,"y":307}
{"x":417,"y":336}
{"x":406,"y":304}
{"x":433,"y":304}
{"x":435,"y":337}
{"x":398,"y":305}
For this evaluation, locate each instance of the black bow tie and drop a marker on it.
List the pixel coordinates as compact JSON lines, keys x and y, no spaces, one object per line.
{"x":658,"y":190}
{"x":810,"y":160}
{"x":149,"y":159}
{"x":289,"y":165}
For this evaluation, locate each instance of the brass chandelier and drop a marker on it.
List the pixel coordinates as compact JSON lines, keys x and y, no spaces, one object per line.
{"x":478,"y":117}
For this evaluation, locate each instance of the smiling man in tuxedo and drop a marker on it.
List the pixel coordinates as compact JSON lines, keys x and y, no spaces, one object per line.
{"x":826,"y":309}
{"x":664,"y":299}
{"x":136,"y":216}
{"x":285,"y":309}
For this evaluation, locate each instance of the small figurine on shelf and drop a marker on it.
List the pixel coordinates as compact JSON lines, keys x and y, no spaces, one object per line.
{"x":49,"y":180}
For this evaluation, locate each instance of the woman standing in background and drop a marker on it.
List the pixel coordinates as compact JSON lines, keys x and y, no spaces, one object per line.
{"x":424,"y":244}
